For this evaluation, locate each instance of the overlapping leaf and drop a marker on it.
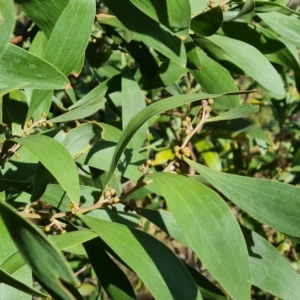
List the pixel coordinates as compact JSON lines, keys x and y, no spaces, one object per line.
{"x":57,"y":160}
{"x":149,"y":258}
{"x":20,"y":67}
{"x":147,"y":30}
{"x":210,"y":229}
{"x":47,"y":263}
{"x":273,"y":203}
{"x":245,"y":57}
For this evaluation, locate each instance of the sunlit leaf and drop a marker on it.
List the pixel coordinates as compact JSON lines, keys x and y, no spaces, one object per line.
{"x":210,"y":229}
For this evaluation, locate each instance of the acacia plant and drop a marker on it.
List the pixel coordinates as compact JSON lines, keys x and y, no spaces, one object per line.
{"x":149,"y":147}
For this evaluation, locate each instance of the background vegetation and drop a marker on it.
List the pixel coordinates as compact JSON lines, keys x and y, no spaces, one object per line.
{"x":150,"y":149}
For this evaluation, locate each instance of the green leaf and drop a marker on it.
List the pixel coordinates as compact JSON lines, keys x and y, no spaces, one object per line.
{"x":174,"y":14}
{"x":7,"y":23}
{"x":81,"y":138}
{"x":134,"y":246}
{"x":24,"y":275}
{"x":83,"y":111}
{"x":146,"y":114}
{"x":245,"y":57}
{"x":61,"y":241}
{"x":210,"y":229}
{"x":48,"y":265}
{"x":13,"y":282}
{"x":65,"y":48}
{"x":59,"y":163}
{"x":273,"y":203}
{"x":18,"y":66}
{"x":132,"y":103}
{"x":147,"y":30}
{"x":210,"y":70}
{"x":113,"y":280}
{"x":266,"y":42}
{"x":242,"y":111}
{"x":266,"y":264}
{"x":285,"y":26}
{"x":208,"y":22}
{"x":44,"y":14}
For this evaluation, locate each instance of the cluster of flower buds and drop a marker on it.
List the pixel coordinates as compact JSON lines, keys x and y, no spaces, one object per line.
{"x":186,"y":126}
{"x":180,"y":153}
{"x":144,"y":167}
{"x":33,"y":124}
{"x":74,"y":207}
{"x":109,"y":193}
{"x":206,"y":105}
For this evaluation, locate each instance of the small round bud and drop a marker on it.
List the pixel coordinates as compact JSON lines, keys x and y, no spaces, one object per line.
{"x":44,"y":124}
{"x":44,"y":115}
{"x":50,"y":124}
{"x":176,"y":149}
{"x":184,"y":123}
{"x":186,"y":152}
{"x":112,"y":191}
{"x":17,"y":155}
{"x":47,"y":228}
{"x":149,"y":162}
{"x":116,"y":200}
{"x":211,"y":101}
{"x":29,"y":123}
{"x":212,"y":5}
{"x":187,"y":132}
{"x":188,"y":119}
{"x":140,"y":168}
{"x":63,"y":231}
{"x":27,"y":133}
{"x":107,"y":194}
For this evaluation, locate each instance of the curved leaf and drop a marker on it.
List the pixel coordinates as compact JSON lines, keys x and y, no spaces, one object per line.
{"x":244,"y":110}
{"x":7,"y":23}
{"x":47,"y":263}
{"x":287,"y":27}
{"x":174,"y":14}
{"x":147,"y":30}
{"x":149,"y":258}
{"x":65,"y":48}
{"x":83,"y":111}
{"x":245,"y":57}
{"x":273,"y":203}
{"x":247,"y":8}
{"x":59,"y":163}
{"x":210,"y":229}
{"x":206,"y":77}
{"x":266,"y":264}
{"x":147,"y":113}
{"x":18,"y":66}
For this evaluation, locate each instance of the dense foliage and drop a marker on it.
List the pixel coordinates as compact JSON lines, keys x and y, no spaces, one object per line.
{"x":150,"y":148}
